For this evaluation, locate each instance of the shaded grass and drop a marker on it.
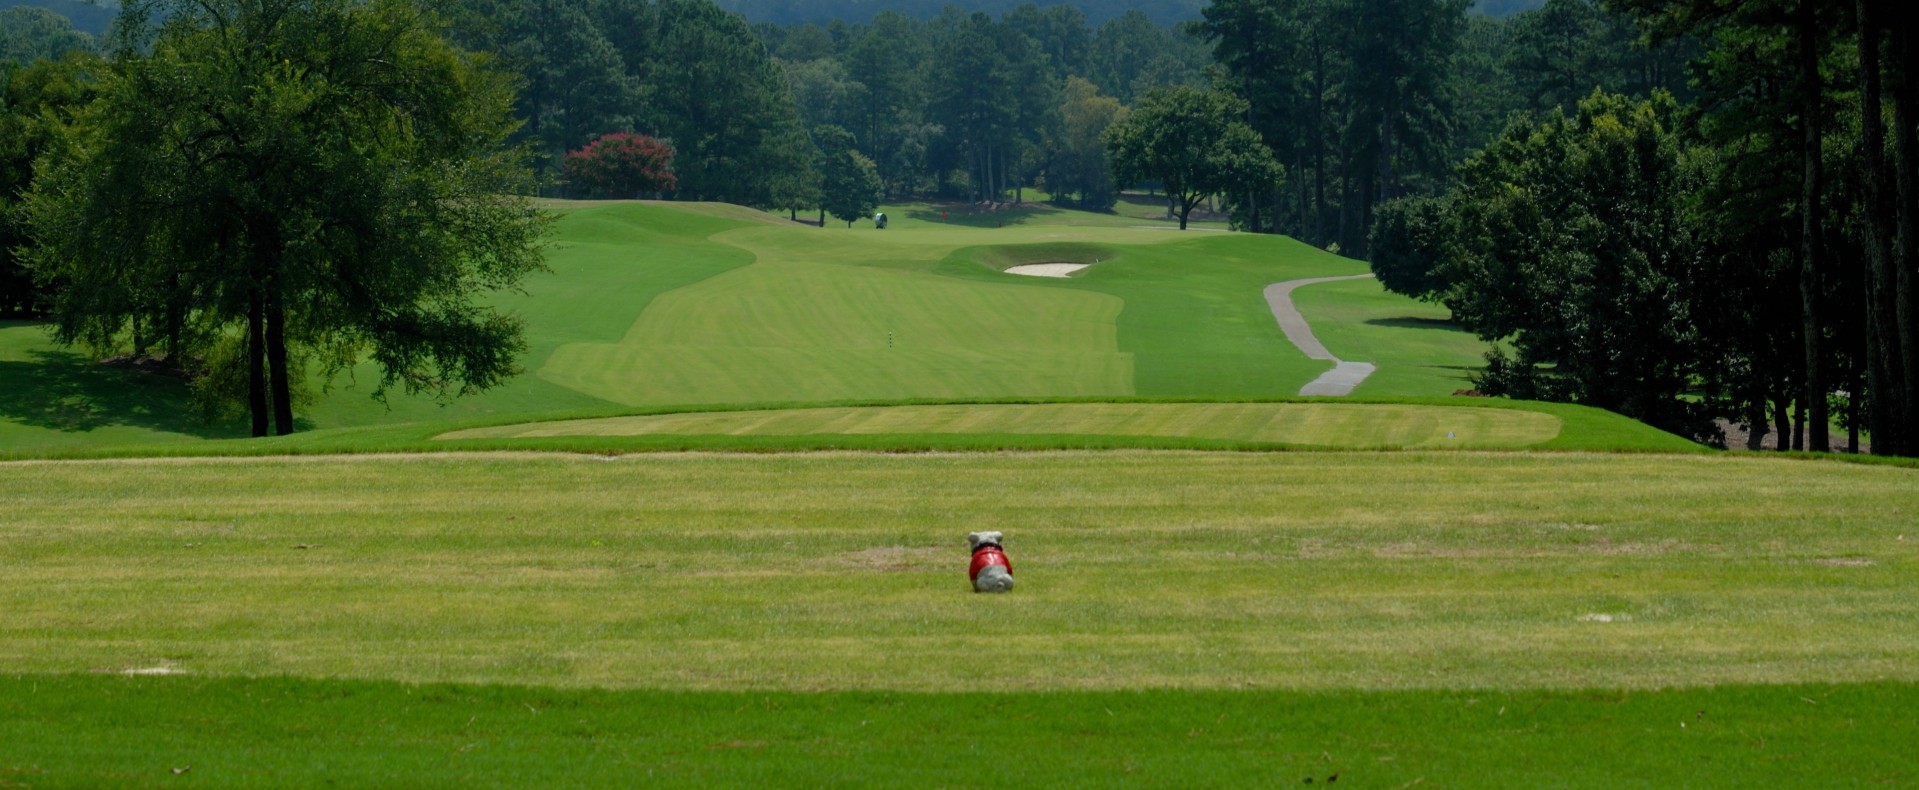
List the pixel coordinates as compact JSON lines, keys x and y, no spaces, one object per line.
{"x":53,"y":398}
{"x":94,"y":730}
{"x":846,"y":571}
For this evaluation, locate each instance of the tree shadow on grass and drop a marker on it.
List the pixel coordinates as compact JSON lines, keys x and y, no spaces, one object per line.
{"x":65,"y":391}
{"x":979,"y":216}
{"x":1415,"y":322}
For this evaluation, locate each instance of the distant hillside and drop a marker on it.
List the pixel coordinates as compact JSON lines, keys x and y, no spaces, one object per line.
{"x":1505,"y":7}
{"x":791,"y":12}
{"x":94,"y":17}
{"x":1164,"y":12}
{"x":87,"y":17}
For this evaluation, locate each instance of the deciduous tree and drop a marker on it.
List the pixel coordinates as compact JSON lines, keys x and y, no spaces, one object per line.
{"x":621,"y":164}
{"x":1193,"y":143}
{"x":327,"y":174}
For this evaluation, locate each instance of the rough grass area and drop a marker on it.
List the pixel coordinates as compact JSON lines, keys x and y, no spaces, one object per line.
{"x":111,"y":731}
{"x":1299,"y":424}
{"x":846,"y":571}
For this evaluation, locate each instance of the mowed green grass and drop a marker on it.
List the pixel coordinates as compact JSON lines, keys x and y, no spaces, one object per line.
{"x":1296,"y":424}
{"x":829,"y":314}
{"x":1417,"y":349}
{"x":1217,"y":619}
{"x":252,"y":732}
{"x":653,"y":305}
{"x":842,"y":571}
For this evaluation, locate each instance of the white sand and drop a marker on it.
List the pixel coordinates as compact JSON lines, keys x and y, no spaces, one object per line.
{"x":1047,"y":269}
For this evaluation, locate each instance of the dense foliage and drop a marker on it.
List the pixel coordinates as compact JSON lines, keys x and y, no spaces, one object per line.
{"x":1566,"y":237}
{"x":297,"y":178}
{"x":850,"y":184}
{"x":1761,"y":272}
{"x":1192,"y":142}
{"x":621,"y":165}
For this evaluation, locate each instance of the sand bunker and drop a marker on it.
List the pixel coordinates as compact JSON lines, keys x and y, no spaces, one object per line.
{"x":1047,"y":269}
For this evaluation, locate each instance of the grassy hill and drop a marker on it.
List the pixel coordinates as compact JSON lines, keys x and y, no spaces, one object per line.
{"x":653,"y":307}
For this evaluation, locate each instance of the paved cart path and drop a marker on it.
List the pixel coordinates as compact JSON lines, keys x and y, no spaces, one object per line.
{"x":1345,"y":375}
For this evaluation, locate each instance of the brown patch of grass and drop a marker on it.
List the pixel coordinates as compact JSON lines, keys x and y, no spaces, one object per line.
{"x":894,"y":559}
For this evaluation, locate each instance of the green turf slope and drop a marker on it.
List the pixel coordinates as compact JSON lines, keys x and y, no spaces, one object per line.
{"x":652,"y":305}
{"x":1417,"y":350}
{"x":608,"y":263}
{"x":1345,"y":425}
{"x":801,"y":331}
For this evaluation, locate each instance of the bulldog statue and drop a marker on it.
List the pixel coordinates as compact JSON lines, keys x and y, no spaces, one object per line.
{"x":991,"y":572}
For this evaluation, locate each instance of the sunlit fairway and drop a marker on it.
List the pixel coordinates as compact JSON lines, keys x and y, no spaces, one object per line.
{"x":1181,"y":617}
{"x":651,"y":305}
{"x":846,"y":571}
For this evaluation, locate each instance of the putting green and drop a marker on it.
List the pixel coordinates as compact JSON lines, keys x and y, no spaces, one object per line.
{"x":1313,"y":424}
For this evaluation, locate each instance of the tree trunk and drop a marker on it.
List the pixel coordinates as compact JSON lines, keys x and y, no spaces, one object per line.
{"x":176,"y":318}
{"x":1852,"y":416}
{"x":1385,"y":191}
{"x":1782,"y":422}
{"x":1885,"y":385}
{"x":278,"y":377}
{"x":257,"y":363}
{"x":1319,"y":146}
{"x":1300,"y":202}
{"x":1905,"y":112}
{"x":1799,"y":426}
{"x":1811,"y":222}
{"x":1345,"y":206}
{"x":1756,"y":424}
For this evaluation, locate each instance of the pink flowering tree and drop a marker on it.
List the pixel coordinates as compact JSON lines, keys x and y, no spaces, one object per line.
{"x":621,"y":165}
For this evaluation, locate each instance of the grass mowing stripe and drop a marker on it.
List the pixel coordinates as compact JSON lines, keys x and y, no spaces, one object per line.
{"x":846,"y":571}
{"x":1303,"y":424}
{"x":1584,"y":428}
{"x":230,"y":732}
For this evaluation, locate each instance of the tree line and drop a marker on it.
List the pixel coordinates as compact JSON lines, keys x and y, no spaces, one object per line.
{"x":1741,"y":252}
